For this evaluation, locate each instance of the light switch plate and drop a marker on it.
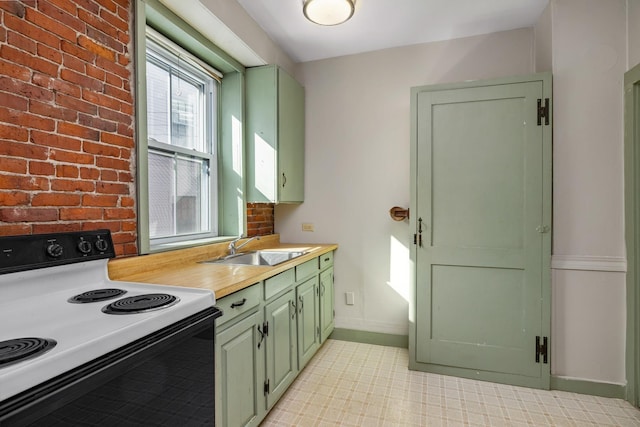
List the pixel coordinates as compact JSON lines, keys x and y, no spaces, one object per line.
{"x":350,"y":298}
{"x":307,"y":226}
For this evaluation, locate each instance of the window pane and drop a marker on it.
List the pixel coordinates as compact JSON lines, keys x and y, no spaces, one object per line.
{"x":186,"y":114}
{"x":181,"y":125}
{"x":161,"y":195}
{"x":157,"y":103}
{"x":192,"y":200}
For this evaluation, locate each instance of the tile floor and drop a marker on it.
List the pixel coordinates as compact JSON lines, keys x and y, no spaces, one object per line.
{"x":353,"y":384}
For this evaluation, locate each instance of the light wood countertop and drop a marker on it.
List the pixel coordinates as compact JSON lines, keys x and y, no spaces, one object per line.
{"x":183,"y":267}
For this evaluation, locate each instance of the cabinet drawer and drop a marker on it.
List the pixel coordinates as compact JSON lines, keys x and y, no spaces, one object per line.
{"x":278,"y":283}
{"x":326,"y":260}
{"x":306,"y":269}
{"x":237,"y":303}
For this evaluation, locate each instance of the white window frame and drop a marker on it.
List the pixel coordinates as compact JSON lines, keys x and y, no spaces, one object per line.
{"x":165,"y":53}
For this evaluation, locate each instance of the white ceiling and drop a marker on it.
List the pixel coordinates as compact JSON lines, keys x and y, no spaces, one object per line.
{"x":381,"y":24}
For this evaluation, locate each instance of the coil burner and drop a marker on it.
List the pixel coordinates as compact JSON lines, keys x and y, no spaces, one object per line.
{"x":140,"y":304}
{"x":20,"y":349}
{"x":96,"y":295}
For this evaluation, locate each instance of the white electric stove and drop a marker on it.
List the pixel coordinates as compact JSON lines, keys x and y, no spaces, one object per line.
{"x":60,"y":314}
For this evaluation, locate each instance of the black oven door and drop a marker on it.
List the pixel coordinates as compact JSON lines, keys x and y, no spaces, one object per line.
{"x":163,"y":379}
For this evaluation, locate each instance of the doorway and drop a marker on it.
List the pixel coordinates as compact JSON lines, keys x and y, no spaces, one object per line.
{"x":632,"y":228}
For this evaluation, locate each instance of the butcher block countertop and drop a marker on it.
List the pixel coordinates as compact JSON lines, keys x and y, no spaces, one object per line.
{"x":183,"y":267}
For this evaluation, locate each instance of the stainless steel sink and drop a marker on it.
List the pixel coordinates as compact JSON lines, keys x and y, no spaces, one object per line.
{"x":264,"y":257}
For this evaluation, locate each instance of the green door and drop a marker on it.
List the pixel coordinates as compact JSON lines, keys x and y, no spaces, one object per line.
{"x":482,"y":216}
{"x":281,"y":346}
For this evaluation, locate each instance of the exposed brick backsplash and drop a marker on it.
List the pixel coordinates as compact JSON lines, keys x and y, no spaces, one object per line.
{"x":259,"y":219}
{"x":66,"y":118}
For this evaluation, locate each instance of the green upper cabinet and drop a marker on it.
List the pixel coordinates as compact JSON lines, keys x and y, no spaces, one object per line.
{"x":275,"y":136}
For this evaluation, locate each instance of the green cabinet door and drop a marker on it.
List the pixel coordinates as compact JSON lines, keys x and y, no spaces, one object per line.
{"x":290,"y":139}
{"x":481,"y":212}
{"x":275,"y":136}
{"x":326,"y":304}
{"x":239,"y":374}
{"x":308,"y":320}
{"x":280,"y":346}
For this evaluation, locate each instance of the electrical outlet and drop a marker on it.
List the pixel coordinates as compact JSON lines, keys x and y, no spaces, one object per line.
{"x":307,"y":226}
{"x":350,"y":298}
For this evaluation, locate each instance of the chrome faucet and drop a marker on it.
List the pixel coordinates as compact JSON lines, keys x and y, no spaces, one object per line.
{"x":233,"y":248}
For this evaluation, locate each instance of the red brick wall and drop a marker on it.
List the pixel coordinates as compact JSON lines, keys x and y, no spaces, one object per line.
{"x":259,"y":219}
{"x":66,"y":118}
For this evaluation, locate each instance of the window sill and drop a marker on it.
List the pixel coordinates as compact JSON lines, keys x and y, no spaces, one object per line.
{"x":189,"y":244}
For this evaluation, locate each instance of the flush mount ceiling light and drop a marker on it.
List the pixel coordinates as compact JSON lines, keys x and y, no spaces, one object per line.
{"x":328,"y":12}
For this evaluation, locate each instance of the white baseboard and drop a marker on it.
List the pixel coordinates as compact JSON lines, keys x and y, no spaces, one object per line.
{"x":589,"y":263}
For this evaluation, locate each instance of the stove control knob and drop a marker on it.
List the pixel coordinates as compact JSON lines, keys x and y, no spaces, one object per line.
{"x":102,"y":245}
{"x":55,"y":250}
{"x":84,"y":246}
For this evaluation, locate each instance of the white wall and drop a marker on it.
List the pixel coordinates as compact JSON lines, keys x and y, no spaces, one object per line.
{"x":231,"y":28}
{"x":589,"y":55}
{"x":357,"y":162}
{"x":249,"y":33}
{"x":543,"y":41}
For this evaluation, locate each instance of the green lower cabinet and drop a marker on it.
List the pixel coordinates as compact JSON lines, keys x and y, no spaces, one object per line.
{"x":240,"y":374}
{"x":326,"y":304}
{"x":267,"y":335}
{"x":308,"y":320}
{"x":281,"y":363}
